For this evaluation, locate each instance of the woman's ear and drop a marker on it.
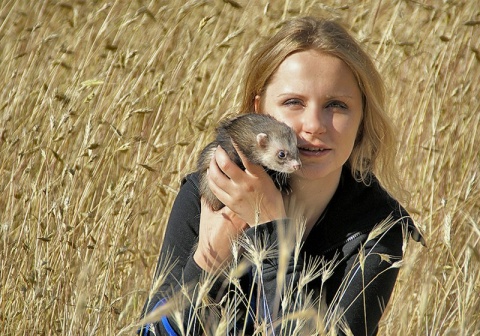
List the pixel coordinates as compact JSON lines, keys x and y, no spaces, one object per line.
{"x":257,"y":104}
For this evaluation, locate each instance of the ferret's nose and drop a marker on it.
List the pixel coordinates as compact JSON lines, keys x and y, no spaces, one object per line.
{"x":297,"y":165}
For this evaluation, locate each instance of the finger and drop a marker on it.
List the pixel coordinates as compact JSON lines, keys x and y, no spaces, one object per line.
{"x":249,"y":166}
{"x":226,"y":165}
{"x":218,"y":181}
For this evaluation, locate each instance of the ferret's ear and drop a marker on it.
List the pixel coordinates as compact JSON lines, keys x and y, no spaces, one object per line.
{"x":262,"y":140}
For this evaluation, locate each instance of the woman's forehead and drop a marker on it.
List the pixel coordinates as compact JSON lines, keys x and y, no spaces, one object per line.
{"x":315,"y":70}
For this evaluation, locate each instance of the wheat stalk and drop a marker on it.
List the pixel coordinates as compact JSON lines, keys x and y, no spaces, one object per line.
{"x":103,"y":103}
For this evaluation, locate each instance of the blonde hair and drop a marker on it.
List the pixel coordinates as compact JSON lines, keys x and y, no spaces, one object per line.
{"x":374,"y":149}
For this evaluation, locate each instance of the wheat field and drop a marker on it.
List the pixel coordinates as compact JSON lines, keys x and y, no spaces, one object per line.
{"x":105,"y":105}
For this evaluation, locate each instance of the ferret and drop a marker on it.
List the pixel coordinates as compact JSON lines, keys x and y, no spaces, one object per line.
{"x":263,"y":140}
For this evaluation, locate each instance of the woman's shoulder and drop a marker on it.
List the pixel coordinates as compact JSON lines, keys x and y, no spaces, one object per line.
{"x":192,"y":179}
{"x":188,"y":195}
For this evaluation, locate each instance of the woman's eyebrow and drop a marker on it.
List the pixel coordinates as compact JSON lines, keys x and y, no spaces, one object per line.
{"x":289,"y":93}
{"x":342,"y":95}
{"x":329,"y":96}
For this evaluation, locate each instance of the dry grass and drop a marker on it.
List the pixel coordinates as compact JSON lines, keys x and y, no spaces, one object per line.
{"x":104,"y":106}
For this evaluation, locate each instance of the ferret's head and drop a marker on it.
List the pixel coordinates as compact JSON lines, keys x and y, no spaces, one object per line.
{"x":279,"y":153}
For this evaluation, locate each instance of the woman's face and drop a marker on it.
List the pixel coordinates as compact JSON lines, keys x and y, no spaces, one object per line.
{"x":318,"y":96}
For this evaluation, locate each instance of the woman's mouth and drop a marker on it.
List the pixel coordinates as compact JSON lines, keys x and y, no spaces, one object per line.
{"x":313,"y":150}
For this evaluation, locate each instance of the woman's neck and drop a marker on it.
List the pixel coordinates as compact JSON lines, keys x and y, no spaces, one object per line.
{"x":310,"y":198}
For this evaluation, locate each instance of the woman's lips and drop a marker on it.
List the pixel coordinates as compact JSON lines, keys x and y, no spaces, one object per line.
{"x":315,"y":151}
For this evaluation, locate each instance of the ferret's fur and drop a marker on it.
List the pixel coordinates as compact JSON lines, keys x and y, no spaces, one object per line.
{"x":263,"y":140}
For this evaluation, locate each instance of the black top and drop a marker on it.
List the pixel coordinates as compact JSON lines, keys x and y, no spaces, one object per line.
{"x":340,"y":235}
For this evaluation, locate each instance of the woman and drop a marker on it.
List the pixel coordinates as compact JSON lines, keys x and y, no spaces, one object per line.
{"x":313,"y":76}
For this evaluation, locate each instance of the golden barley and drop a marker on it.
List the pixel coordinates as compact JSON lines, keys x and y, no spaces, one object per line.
{"x":103,"y":105}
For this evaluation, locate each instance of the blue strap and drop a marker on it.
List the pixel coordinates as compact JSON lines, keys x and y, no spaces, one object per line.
{"x":168,"y":327}
{"x":166,"y":324}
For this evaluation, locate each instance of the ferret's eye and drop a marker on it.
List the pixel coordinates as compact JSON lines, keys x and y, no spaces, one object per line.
{"x":282,"y":154}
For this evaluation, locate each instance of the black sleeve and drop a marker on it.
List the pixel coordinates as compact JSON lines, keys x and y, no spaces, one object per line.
{"x":180,"y":275}
{"x":176,"y":255}
{"x":363,"y":281}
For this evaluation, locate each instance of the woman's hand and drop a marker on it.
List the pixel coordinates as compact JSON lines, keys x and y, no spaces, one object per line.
{"x":250,"y":194}
{"x":217,"y":231}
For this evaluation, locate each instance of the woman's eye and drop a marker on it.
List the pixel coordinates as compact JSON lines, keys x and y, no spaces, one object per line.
{"x":337,"y":104}
{"x":293,"y":101}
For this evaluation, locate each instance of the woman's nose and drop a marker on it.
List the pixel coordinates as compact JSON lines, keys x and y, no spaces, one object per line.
{"x":313,"y":120}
